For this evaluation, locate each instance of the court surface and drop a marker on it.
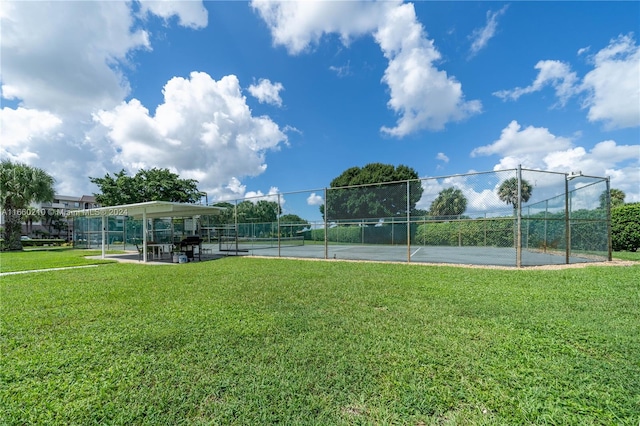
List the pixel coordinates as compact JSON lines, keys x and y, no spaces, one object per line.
{"x":493,"y":256}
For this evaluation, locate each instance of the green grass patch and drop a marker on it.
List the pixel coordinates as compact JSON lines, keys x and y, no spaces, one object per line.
{"x":263,"y":341}
{"x":46,"y":258}
{"x":627,"y":255}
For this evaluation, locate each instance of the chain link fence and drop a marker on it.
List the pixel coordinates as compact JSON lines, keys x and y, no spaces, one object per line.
{"x":516,"y":217}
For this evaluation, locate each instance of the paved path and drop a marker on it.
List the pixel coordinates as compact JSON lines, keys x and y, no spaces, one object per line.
{"x":46,"y":270}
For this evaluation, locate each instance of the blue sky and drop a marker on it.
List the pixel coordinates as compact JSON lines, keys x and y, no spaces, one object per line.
{"x":253,"y":98}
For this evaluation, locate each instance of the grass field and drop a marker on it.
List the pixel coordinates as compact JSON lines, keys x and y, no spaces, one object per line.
{"x":47,"y":258}
{"x":262,"y":341}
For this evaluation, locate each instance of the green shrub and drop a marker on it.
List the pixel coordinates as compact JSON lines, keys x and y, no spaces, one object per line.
{"x":42,"y":242}
{"x":625,"y":227}
{"x":497,"y":232}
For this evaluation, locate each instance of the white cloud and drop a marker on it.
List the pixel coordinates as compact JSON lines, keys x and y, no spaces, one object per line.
{"x":315,"y":200}
{"x":203,"y":129}
{"x":267,"y":92}
{"x":523,"y":146}
{"x":342,"y":71}
{"x":554,"y":73}
{"x":20,"y":125}
{"x":298,"y":25}
{"x":61,"y":62}
{"x":190,"y":13}
{"x":614,"y":86}
{"x":602,"y":157}
{"x":423,"y":96}
{"x":584,"y":50}
{"x":272,"y":195}
{"x":50,"y":64}
{"x":537,"y":148}
{"x":481,"y":36}
{"x":481,"y":193}
{"x":442,"y":157}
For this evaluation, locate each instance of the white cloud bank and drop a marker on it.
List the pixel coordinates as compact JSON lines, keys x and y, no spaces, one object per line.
{"x":72,"y":120}
{"x":50,"y":64}
{"x":539,"y":149}
{"x":204,"y":129}
{"x":611,"y":89}
{"x":423,"y":96}
{"x":189,"y":13}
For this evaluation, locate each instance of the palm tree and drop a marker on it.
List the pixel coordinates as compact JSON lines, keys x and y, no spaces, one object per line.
{"x":508,"y":192}
{"x":449,"y":202}
{"x":20,"y":185}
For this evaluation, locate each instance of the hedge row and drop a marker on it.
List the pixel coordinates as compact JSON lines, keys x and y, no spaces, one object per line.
{"x":625,"y":227}
{"x":541,"y":231}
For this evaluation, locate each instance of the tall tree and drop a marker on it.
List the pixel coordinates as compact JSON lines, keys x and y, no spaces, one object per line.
{"x":449,"y":202}
{"x":21,"y":185}
{"x":147,"y":185}
{"x":508,"y":192}
{"x":292,"y":224}
{"x":262,"y":211}
{"x":379,"y":198}
{"x":225,"y":217}
{"x":617,"y":197}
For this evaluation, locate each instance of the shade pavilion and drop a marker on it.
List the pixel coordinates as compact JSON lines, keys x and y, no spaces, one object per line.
{"x":144,"y":211}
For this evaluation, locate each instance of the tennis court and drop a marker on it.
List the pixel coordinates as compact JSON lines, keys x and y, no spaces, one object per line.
{"x":515,"y":217}
{"x":490,"y":256}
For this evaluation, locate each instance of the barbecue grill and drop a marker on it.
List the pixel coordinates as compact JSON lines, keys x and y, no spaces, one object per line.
{"x":189,"y":244}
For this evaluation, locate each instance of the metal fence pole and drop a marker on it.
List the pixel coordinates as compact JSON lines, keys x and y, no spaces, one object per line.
{"x":104,"y":231}
{"x":235,"y":221}
{"x":609,"y":241}
{"x":326,"y":227}
{"x":567,"y":229}
{"x":519,"y":220}
{"x":408,"y":223}
{"x":546,"y":210}
{"x":278,"y":217}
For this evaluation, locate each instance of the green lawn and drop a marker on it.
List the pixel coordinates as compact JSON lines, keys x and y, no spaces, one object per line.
{"x":627,"y":255}
{"x":262,"y":341}
{"x":46,"y":258}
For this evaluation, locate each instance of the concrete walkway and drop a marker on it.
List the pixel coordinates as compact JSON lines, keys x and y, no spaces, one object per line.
{"x":46,"y":270}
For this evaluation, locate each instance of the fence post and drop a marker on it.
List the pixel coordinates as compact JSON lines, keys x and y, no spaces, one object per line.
{"x":609,"y":241}
{"x":408,"y":223}
{"x":278,"y":217}
{"x":104,"y":231}
{"x":519,"y":220}
{"x":326,"y":228}
{"x":567,"y":228}
{"x":546,"y":210}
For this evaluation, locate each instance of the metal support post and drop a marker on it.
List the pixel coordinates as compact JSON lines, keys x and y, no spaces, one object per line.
{"x":104,"y":231}
{"x":609,"y":241}
{"x":567,"y":227}
{"x":519,"y":220}
{"x":326,"y":227}
{"x":408,"y":223}
{"x":144,"y":235}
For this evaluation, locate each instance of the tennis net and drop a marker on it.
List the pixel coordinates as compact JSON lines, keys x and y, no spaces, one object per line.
{"x":248,"y":243}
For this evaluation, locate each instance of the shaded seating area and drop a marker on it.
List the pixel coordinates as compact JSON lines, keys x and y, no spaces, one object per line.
{"x":148,"y":249}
